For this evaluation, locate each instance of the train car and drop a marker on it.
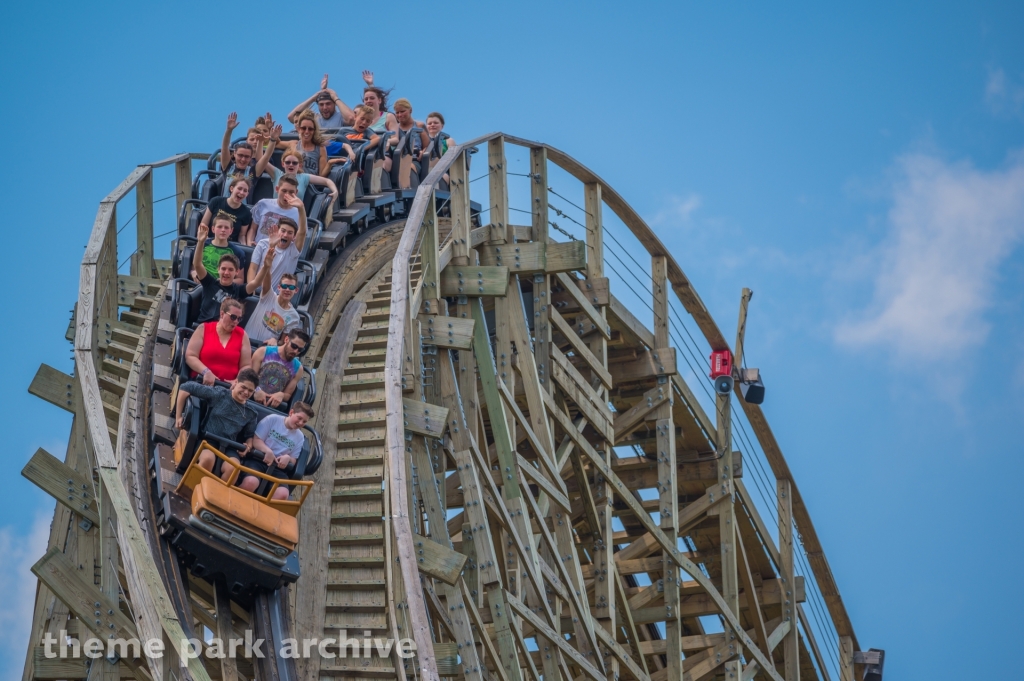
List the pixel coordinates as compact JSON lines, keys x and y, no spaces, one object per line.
{"x":221,"y":532}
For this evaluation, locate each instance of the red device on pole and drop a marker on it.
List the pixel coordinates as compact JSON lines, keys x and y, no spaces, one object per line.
{"x":721,"y":363}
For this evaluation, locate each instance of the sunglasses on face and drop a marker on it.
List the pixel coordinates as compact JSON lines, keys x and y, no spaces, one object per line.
{"x":291,"y":163}
{"x":234,"y":317}
{"x":288,"y":287}
{"x":296,"y":348}
{"x":306,"y":128}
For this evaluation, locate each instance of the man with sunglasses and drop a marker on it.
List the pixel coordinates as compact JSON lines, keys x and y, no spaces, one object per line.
{"x":274,"y":314}
{"x":279,"y":368}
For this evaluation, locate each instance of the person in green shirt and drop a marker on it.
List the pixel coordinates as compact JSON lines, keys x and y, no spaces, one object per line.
{"x":218,"y":246}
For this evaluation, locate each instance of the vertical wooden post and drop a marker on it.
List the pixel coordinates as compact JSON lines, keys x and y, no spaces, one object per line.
{"x":429,"y":261}
{"x":461,"y":222}
{"x":143,"y":260}
{"x":541,"y":282}
{"x":501,"y":232}
{"x":667,"y":473}
{"x":845,"y":658}
{"x":461,"y":255}
{"x":222,"y":606}
{"x":790,"y":643}
{"x":106,"y":556}
{"x":498,"y":185}
{"x":182,"y":183}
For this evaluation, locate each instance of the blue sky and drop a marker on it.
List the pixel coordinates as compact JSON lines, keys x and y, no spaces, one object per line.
{"x":862,"y":169}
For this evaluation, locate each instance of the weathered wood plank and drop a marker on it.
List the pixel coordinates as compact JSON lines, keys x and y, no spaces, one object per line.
{"x":54,"y":386}
{"x":63,"y":483}
{"x":437,"y":561}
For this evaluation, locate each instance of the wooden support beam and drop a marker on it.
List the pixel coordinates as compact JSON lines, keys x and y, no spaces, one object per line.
{"x":224,"y":630}
{"x":647,"y":365}
{"x":497,"y":171}
{"x":437,"y":561}
{"x":495,"y":407}
{"x":65,"y":581}
{"x":473,"y":281}
{"x":580,"y":348}
{"x":534,"y":256}
{"x":668,"y":546}
{"x":430,"y":267}
{"x":447,"y":332}
{"x":54,"y":386}
{"x":626,"y":422}
{"x":519,"y":608}
{"x":460,"y":211}
{"x":142,"y":261}
{"x":591,"y":405}
{"x":787,"y":577}
{"x":425,"y":418}
{"x":63,"y":483}
{"x":596,"y":320}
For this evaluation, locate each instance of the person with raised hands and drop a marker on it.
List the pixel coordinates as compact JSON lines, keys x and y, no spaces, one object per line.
{"x":286,"y":242}
{"x":221,"y":286}
{"x":217,"y":247}
{"x":274,"y":314}
{"x":332,"y":113}
{"x":377,"y":99}
{"x":292,"y":161}
{"x":237,"y":161}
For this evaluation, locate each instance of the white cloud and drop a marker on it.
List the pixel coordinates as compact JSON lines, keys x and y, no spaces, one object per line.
{"x":1002,"y":94}
{"x":18,"y":552}
{"x":681,"y":209}
{"x":950,"y":228}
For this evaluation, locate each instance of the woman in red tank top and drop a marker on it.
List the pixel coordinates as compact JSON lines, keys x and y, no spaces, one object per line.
{"x":218,"y":350}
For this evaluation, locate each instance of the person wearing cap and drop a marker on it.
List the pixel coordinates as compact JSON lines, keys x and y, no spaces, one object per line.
{"x":331,"y":111}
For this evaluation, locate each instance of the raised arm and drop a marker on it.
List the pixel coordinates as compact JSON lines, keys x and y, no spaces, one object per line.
{"x":347,"y":114}
{"x":275,"y":137}
{"x":256,"y":278}
{"x":225,"y":145}
{"x":305,"y":105}
{"x":197,"y":257}
{"x":300,"y":236}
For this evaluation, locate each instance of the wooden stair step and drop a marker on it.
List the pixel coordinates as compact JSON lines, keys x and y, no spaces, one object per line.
{"x":376,"y":316}
{"x":362,"y":384}
{"x":365,"y":422}
{"x":369,"y":343}
{"x":349,"y":441}
{"x":355,"y":584}
{"x":361,"y":478}
{"x":356,"y":492}
{"x":355,"y":516}
{"x":360,"y":671}
{"x":358,"y":540}
{"x":355,"y":562}
{"x":367,"y":459}
{"x":121,"y":351}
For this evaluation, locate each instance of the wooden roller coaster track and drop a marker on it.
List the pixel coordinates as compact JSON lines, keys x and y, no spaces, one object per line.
{"x":516,"y":474}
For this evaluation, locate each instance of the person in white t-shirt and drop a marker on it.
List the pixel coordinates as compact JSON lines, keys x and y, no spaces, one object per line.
{"x":268,"y":213}
{"x":274,"y":314}
{"x":280,"y":439}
